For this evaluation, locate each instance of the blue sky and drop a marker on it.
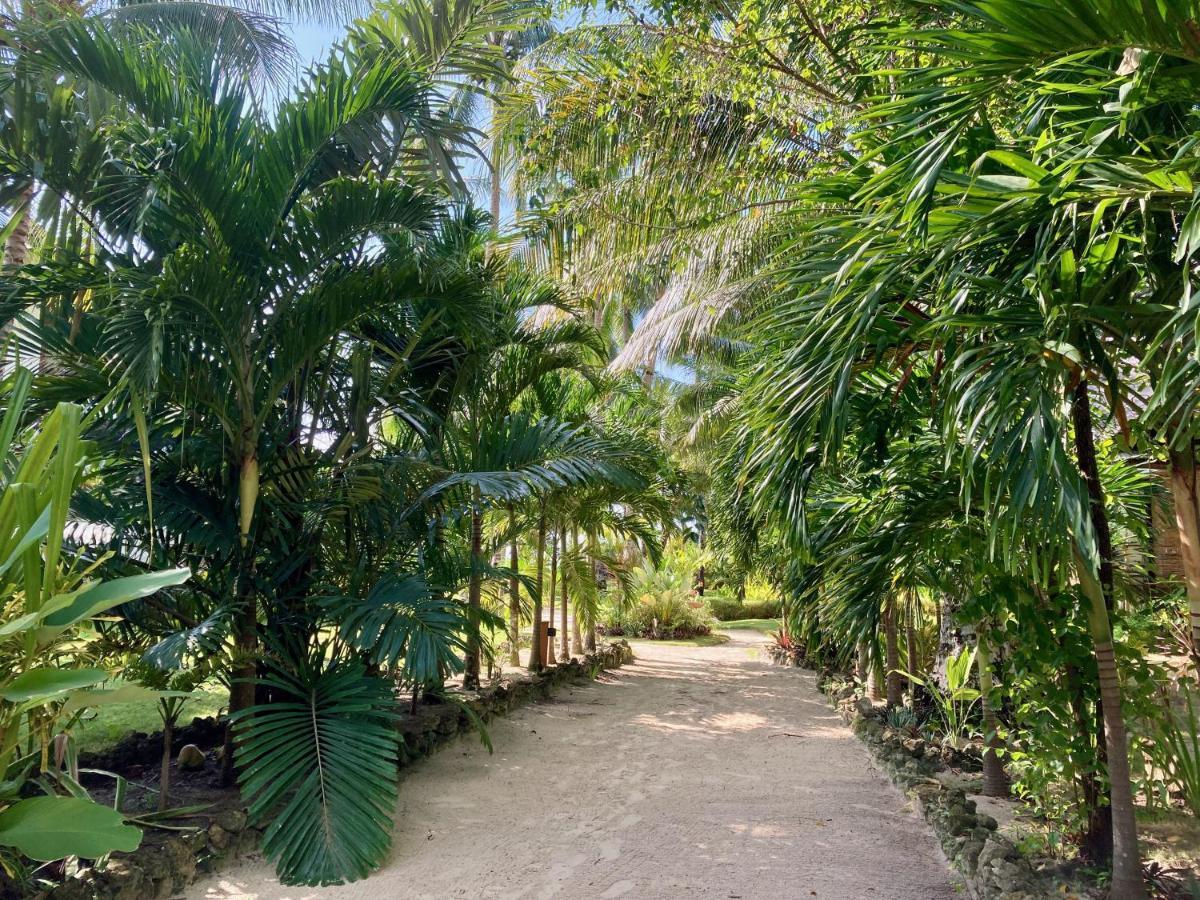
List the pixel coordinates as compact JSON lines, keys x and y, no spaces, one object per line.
{"x":313,"y":41}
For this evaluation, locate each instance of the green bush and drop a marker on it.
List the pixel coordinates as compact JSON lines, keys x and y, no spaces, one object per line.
{"x":728,"y":609}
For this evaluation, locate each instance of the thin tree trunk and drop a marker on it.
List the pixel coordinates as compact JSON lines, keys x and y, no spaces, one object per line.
{"x":471,"y":675}
{"x":550,"y":658}
{"x":1187,"y":520}
{"x":576,"y":635}
{"x":875,"y":684}
{"x":1126,"y":860}
{"x":164,"y":772}
{"x":576,"y":630}
{"x":1095,"y":845}
{"x":564,"y":645}
{"x":1085,"y":452}
{"x":514,"y":593}
{"x":535,"y":651}
{"x":591,"y":624}
{"x":862,"y":663}
{"x":1098,"y":589}
{"x":242,"y":685}
{"x":912,"y":664}
{"x":995,"y":782}
{"x":895,"y":688}
{"x":494,"y":206}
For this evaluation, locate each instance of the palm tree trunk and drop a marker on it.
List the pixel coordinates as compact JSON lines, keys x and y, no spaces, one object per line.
{"x":895,"y":688}
{"x":995,"y":782}
{"x":241,"y":686}
{"x":494,"y":206}
{"x":1126,"y":860}
{"x":514,"y":593}
{"x":1187,"y":520}
{"x":471,"y":675}
{"x":550,"y":660}
{"x":535,"y":651}
{"x":1097,"y":586}
{"x":862,"y":663}
{"x":576,"y":630}
{"x":564,"y":646}
{"x":912,"y":664}
{"x":164,"y":771}
{"x":1099,"y":835}
{"x":591,"y":623}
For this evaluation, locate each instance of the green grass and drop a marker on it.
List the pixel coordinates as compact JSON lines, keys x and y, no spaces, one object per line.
{"x":106,"y":725}
{"x":766,"y":626}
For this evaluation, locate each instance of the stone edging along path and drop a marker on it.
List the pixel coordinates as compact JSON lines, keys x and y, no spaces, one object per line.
{"x":989,"y":863}
{"x":162,"y":869}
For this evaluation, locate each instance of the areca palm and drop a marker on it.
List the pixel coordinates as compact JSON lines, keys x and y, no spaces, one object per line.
{"x":244,"y":245}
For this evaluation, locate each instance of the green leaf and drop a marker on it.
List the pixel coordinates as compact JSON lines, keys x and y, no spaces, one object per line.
{"x":45,"y":683}
{"x":49,"y":828}
{"x":105,"y":596}
{"x":320,"y":764}
{"x":125,"y":693}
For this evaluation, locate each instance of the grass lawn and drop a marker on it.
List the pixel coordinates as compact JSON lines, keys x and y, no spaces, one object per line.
{"x":106,"y":725}
{"x":766,"y":626}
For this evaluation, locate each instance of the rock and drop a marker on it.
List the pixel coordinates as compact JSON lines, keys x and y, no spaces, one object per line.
{"x":126,"y":878}
{"x":915,"y":746}
{"x":232,"y":820}
{"x":190,"y":758}
{"x":218,"y":837}
{"x":74,"y":889}
{"x":181,"y":860}
{"x":986,"y":821}
{"x":864,"y":706}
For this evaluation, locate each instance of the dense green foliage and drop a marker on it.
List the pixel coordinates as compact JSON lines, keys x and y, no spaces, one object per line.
{"x":874,"y":316}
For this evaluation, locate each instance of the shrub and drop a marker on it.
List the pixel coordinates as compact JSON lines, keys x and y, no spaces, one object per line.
{"x":728,"y":609}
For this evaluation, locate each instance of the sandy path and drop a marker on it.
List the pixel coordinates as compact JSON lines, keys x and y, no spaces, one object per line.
{"x":697,"y":772}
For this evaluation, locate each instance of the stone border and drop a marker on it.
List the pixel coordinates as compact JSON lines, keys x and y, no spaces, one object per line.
{"x":162,"y":869}
{"x":989,"y":863}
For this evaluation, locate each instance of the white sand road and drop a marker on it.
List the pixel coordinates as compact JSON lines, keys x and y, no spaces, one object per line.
{"x":695,"y":772}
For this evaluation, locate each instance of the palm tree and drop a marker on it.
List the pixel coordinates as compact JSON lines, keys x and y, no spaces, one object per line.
{"x":294,"y":195}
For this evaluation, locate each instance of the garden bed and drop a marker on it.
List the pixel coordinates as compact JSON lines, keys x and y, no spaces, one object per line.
{"x":210,"y":840}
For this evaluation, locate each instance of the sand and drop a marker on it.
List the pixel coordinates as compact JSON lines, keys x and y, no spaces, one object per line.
{"x":696,"y":772}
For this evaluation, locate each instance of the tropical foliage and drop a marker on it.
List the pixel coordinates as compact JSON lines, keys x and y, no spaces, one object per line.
{"x":880,"y":310}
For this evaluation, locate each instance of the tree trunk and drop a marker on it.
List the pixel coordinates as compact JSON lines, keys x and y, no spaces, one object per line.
{"x":563,"y":643}
{"x":471,"y":675}
{"x":995,"y":781}
{"x":1095,"y":844}
{"x":1127,"y":865}
{"x":494,"y":205}
{"x":1187,"y":520}
{"x":514,"y":593}
{"x":862,"y":663}
{"x":1089,"y":469}
{"x":535,"y":650}
{"x":1098,"y":588}
{"x":550,"y":659}
{"x":164,"y":772}
{"x":242,"y":675}
{"x":912,"y":664}
{"x":591,"y":624}
{"x":895,"y":686}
